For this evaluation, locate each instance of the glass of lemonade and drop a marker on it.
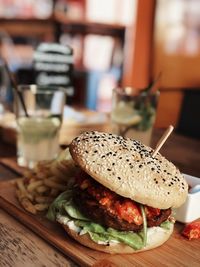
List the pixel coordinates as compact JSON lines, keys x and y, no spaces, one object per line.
{"x":133,"y":113}
{"x":38,"y":134}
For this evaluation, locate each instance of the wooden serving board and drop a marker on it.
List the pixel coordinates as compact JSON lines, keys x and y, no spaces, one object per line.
{"x":177,"y":251}
{"x":11,"y":164}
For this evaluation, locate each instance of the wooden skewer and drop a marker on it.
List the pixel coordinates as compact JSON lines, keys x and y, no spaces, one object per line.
{"x":163,"y":139}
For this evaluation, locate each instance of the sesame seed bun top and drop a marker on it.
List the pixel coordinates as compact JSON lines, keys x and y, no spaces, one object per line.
{"x":127,"y":167}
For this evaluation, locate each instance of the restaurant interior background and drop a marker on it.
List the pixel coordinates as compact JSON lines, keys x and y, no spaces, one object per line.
{"x":114,"y":43}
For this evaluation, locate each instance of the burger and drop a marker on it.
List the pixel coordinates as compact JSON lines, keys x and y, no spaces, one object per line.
{"x":120,"y":197}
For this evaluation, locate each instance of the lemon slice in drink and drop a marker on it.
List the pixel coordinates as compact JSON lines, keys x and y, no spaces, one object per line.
{"x":125,"y":114}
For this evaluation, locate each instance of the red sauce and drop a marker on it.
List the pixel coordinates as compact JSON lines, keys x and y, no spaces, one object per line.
{"x":124,"y":208}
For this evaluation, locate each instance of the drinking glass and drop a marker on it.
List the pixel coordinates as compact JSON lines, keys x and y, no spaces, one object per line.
{"x":133,"y":113}
{"x":38,"y":133}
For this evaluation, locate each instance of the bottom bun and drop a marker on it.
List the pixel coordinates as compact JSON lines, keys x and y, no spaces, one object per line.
{"x":156,"y":236}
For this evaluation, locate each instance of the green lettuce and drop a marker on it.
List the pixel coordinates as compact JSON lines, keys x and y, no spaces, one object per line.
{"x":166,"y":225}
{"x":64,"y":206}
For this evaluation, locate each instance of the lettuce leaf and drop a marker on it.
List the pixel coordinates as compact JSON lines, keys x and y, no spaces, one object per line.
{"x":57,"y":207}
{"x":64,"y":206}
{"x":144,"y":225}
{"x":99,"y":233}
{"x":73,"y":212}
{"x":166,"y":225}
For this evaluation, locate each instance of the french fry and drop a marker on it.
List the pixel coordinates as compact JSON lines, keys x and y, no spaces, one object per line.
{"x":41,"y":207}
{"x":43,"y":174}
{"x":39,"y":187}
{"x":32,"y":186}
{"x":20,"y":185}
{"x":19,"y":194}
{"x":26,"y":203}
{"x":54,"y":179}
{"x":44,"y":199}
{"x":22,"y":195}
{"x":28,"y":173}
{"x":55,"y":185}
{"x":42,"y":189}
{"x":22,"y":190}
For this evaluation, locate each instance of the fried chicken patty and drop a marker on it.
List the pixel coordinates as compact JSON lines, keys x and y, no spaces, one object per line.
{"x":107,"y":208}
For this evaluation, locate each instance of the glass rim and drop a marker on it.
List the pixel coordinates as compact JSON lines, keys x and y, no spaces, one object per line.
{"x":41,"y":89}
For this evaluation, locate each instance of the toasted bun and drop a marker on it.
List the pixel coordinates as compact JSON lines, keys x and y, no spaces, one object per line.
{"x":127,"y":167}
{"x":156,"y":236}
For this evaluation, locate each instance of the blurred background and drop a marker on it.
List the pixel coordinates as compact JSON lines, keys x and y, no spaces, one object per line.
{"x":114,"y":42}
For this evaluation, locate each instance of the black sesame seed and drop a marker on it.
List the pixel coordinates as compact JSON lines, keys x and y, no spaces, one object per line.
{"x":119,"y":178}
{"x":140,"y":166}
{"x":168,"y":193}
{"x":152,"y":169}
{"x":109,"y":170}
{"x":113,"y":163}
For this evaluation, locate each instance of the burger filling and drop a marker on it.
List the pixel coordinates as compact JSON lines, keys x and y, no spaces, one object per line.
{"x":89,"y":207}
{"x":107,"y":208}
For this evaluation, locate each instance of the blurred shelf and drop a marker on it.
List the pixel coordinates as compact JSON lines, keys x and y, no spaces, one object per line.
{"x":35,"y":26}
{"x":85,"y":26}
{"x":27,"y":27}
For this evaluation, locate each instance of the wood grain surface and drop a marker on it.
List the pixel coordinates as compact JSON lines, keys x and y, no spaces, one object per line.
{"x":19,"y":247}
{"x":11,"y":164}
{"x":177,"y":251}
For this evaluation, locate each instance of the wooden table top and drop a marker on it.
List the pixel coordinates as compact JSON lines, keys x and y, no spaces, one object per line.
{"x":21,"y":247}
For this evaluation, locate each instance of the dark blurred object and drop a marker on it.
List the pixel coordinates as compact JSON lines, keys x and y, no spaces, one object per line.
{"x":190,"y":114}
{"x":79,"y":81}
{"x":25,"y":76}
